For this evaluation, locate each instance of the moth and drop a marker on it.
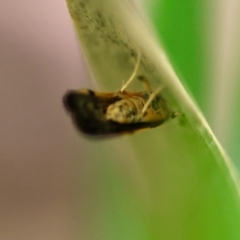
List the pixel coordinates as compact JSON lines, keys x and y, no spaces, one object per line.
{"x":120,"y":112}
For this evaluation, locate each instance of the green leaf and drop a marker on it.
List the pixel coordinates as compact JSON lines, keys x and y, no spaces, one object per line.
{"x":170,"y":182}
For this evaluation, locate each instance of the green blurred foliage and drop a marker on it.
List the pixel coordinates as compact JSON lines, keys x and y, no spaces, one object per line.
{"x":179,"y":25}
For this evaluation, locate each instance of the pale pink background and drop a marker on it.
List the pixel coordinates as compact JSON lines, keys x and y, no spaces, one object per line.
{"x":39,"y":61}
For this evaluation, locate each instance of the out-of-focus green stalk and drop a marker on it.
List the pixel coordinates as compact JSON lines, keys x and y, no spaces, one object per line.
{"x":180,"y":26}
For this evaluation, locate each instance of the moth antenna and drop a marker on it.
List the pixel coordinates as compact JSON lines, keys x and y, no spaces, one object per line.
{"x":153,"y":95}
{"x":133,"y":74}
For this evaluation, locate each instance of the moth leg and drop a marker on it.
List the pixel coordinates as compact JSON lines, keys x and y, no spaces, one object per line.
{"x":133,"y":74}
{"x":176,"y":114}
{"x":144,"y":80}
{"x":153,"y":95}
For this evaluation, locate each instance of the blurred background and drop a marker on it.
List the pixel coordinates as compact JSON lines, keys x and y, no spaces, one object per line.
{"x":39,"y":61}
{"x":46,"y":169}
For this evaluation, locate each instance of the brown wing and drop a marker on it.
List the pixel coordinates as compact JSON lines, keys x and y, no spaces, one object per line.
{"x":88,"y":109}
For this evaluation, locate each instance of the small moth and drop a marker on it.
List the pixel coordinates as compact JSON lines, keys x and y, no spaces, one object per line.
{"x":99,"y":113}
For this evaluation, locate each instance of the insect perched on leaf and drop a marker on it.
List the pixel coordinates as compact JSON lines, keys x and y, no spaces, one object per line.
{"x":98,"y":113}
